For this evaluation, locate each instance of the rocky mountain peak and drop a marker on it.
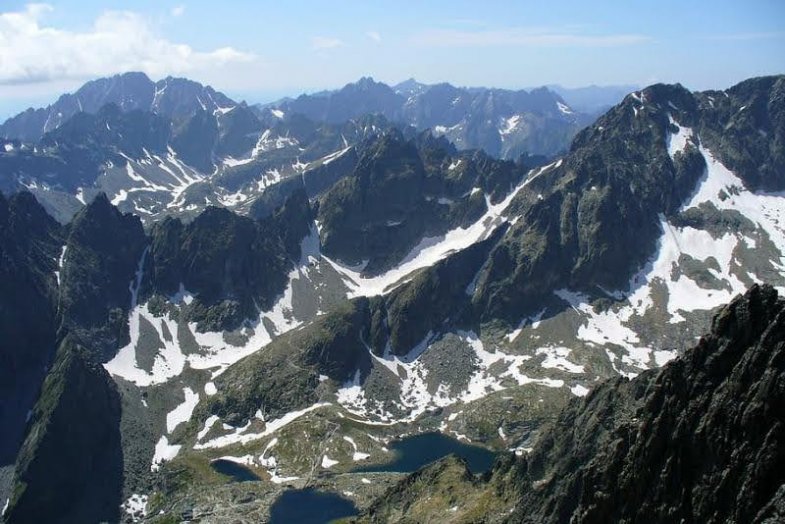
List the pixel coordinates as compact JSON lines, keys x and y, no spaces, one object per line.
{"x":175,"y":98}
{"x":437,"y":288}
{"x":409,"y":87}
{"x":105,"y":249}
{"x":366,"y":82}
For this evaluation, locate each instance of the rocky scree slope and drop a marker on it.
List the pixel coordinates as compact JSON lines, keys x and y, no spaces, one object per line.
{"x":699,"y":441}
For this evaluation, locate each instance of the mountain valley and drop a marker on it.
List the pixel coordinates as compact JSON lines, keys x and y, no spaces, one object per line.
{"x":191,"y":283}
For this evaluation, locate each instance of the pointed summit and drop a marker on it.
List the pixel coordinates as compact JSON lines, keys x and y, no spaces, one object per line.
{"x":174,"y":98}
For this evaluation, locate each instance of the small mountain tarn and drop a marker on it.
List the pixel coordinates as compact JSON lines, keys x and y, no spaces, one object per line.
{"x":412,"y":453}
{"x":309,"y":506}
{"x":235,"y":471}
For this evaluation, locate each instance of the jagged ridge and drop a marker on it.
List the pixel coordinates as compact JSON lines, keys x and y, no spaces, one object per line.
{"x":699,"y":441}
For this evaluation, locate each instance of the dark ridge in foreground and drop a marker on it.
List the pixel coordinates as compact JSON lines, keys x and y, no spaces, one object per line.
{"x":701,"y":440}
{"x":80,"y":406}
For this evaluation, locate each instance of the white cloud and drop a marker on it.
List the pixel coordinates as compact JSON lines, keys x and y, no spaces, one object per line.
{"x":323,"y":42}
{"x":118,"y":41}
{"x":178,"y":10}
{"x":523,"y":37}
{"x":374,"y":35}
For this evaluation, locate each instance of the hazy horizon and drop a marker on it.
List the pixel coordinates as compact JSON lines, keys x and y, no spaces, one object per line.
{"x":263,"y":51}
{"x":8,"y":110}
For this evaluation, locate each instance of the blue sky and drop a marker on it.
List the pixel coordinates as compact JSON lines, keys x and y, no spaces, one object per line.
{"x":261,"y":50}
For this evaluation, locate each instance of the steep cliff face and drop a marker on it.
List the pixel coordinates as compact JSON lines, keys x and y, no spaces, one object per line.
{"x":405,"y":192}
{"x":365,"y":212}
{"x":594,"y":218}
{"x":746,"y":128}
{"x":233,"y":264}
{"x":69,"y":468}
{"x":30,"y":243}
{"x":103,"y":252}
{"x":701,"y":440}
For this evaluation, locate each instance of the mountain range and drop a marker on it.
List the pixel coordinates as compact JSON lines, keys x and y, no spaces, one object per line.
{"x":173,"y":146}
{"x":502,"y":122}
{"x":176,"y":98}
{"x":289,"y":288}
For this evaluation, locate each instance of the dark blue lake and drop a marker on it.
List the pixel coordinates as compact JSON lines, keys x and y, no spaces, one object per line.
{"x":309,"y":506}
{"x":412,"y":453}
{"x":237,"y":472}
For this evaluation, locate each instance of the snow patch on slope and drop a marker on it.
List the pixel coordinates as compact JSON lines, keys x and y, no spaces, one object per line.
{"x":492,"y":370}
{"x":533,"y":320}
{"x":724,"y":190}
{"x":357,"y":455}
{"x":677,"y":141}
{"x":508,"y":125}
{"x":430,"y":250}
{"x":214,"y":352}
{"x":163,"y":452}
{"x":182,"y":413}
{"x":240,"y":435}
{"x":556,"y":358}
{"x":60,"y":262}
{"x":564,"y":108}
{"x":135,"y":506}
{"x":327,"y":462}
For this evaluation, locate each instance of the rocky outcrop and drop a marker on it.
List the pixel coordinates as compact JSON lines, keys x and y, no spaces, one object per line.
{"x":403,"y":190}
{"x":285,"y":376}
{"x":404,"y":318}
{"x":239,"y":129}
{"x":363,"y":215}
{"x":194,"y":140}
{"x":104,"y":251}
{"x":745,"y":127}
{"x":701,"y":440}
{"x":233,"y":264}
{"x":593,"y":219}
